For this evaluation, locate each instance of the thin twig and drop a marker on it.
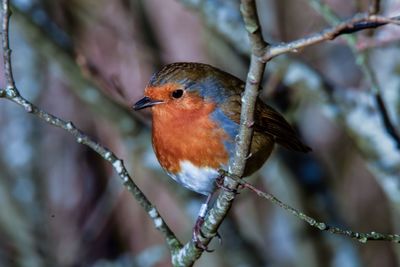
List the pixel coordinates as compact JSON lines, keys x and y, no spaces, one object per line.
{"x":6,"y":45}
{"x":357,"y":23}
{"x":380,"y":103}
{"x":11,"y":93}
{"x":362,"y":237}
{"x":362,"y":59}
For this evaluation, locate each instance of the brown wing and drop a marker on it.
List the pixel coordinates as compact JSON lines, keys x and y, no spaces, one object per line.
{"x":269,"y":121}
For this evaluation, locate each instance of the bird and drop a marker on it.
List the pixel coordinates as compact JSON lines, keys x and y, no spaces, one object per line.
{"x":195,"y":120}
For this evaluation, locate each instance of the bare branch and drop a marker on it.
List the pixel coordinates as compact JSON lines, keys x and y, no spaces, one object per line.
{"x":190,"y":253}
{"x":254,"y":77}
{"x":11,"y":93}
{"x":362,"y":237}
{"x":6,"y":45}
{"x":362,"y":59}
{"x":357,"y":23}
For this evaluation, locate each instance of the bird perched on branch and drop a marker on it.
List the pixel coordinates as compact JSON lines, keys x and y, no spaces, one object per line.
{"x":196,"y":116}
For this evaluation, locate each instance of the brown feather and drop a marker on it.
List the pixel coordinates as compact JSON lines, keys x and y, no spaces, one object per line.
{"x":268,"y":122}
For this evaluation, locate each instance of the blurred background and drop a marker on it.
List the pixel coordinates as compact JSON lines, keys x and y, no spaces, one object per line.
{"x":88,"y":61}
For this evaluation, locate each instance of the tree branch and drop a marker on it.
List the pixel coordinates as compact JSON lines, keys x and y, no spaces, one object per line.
{"x":11,"y":93}
{"x":6,"y":45}
{"x":190,"y":253}
{"x":362,"y":59}
{"x":357,"y":23}
{"x":362,"y":237}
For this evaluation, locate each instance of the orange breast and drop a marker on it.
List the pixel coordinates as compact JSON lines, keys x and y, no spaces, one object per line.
{"x":190,"y":135}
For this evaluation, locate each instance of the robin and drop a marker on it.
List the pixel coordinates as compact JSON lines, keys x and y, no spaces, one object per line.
{"x":196,"y":116}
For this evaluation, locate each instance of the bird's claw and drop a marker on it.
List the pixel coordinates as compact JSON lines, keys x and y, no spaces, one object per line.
{"x":220,"y":184}
{"x":197,"y":232}
{"x":219,"y":238}
{"x":201,"y":246}
{"x":197,"y":228}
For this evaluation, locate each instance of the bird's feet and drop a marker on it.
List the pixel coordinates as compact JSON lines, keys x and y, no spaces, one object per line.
{"x":220,"y":184}
{"x":198,"y":233}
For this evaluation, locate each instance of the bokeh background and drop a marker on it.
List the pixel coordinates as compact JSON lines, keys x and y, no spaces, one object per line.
{"x":88,"y":61}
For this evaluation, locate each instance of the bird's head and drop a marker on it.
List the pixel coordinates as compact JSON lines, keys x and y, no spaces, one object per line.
{"x":185,"y":87}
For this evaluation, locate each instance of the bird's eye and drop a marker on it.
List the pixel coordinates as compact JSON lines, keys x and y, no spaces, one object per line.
{"x":177,"y":93}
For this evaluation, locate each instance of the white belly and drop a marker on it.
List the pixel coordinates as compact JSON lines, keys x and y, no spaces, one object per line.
{"x":200,"y":180}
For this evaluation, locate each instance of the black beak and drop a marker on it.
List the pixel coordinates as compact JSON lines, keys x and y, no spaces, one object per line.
{"x":145,"y":102}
